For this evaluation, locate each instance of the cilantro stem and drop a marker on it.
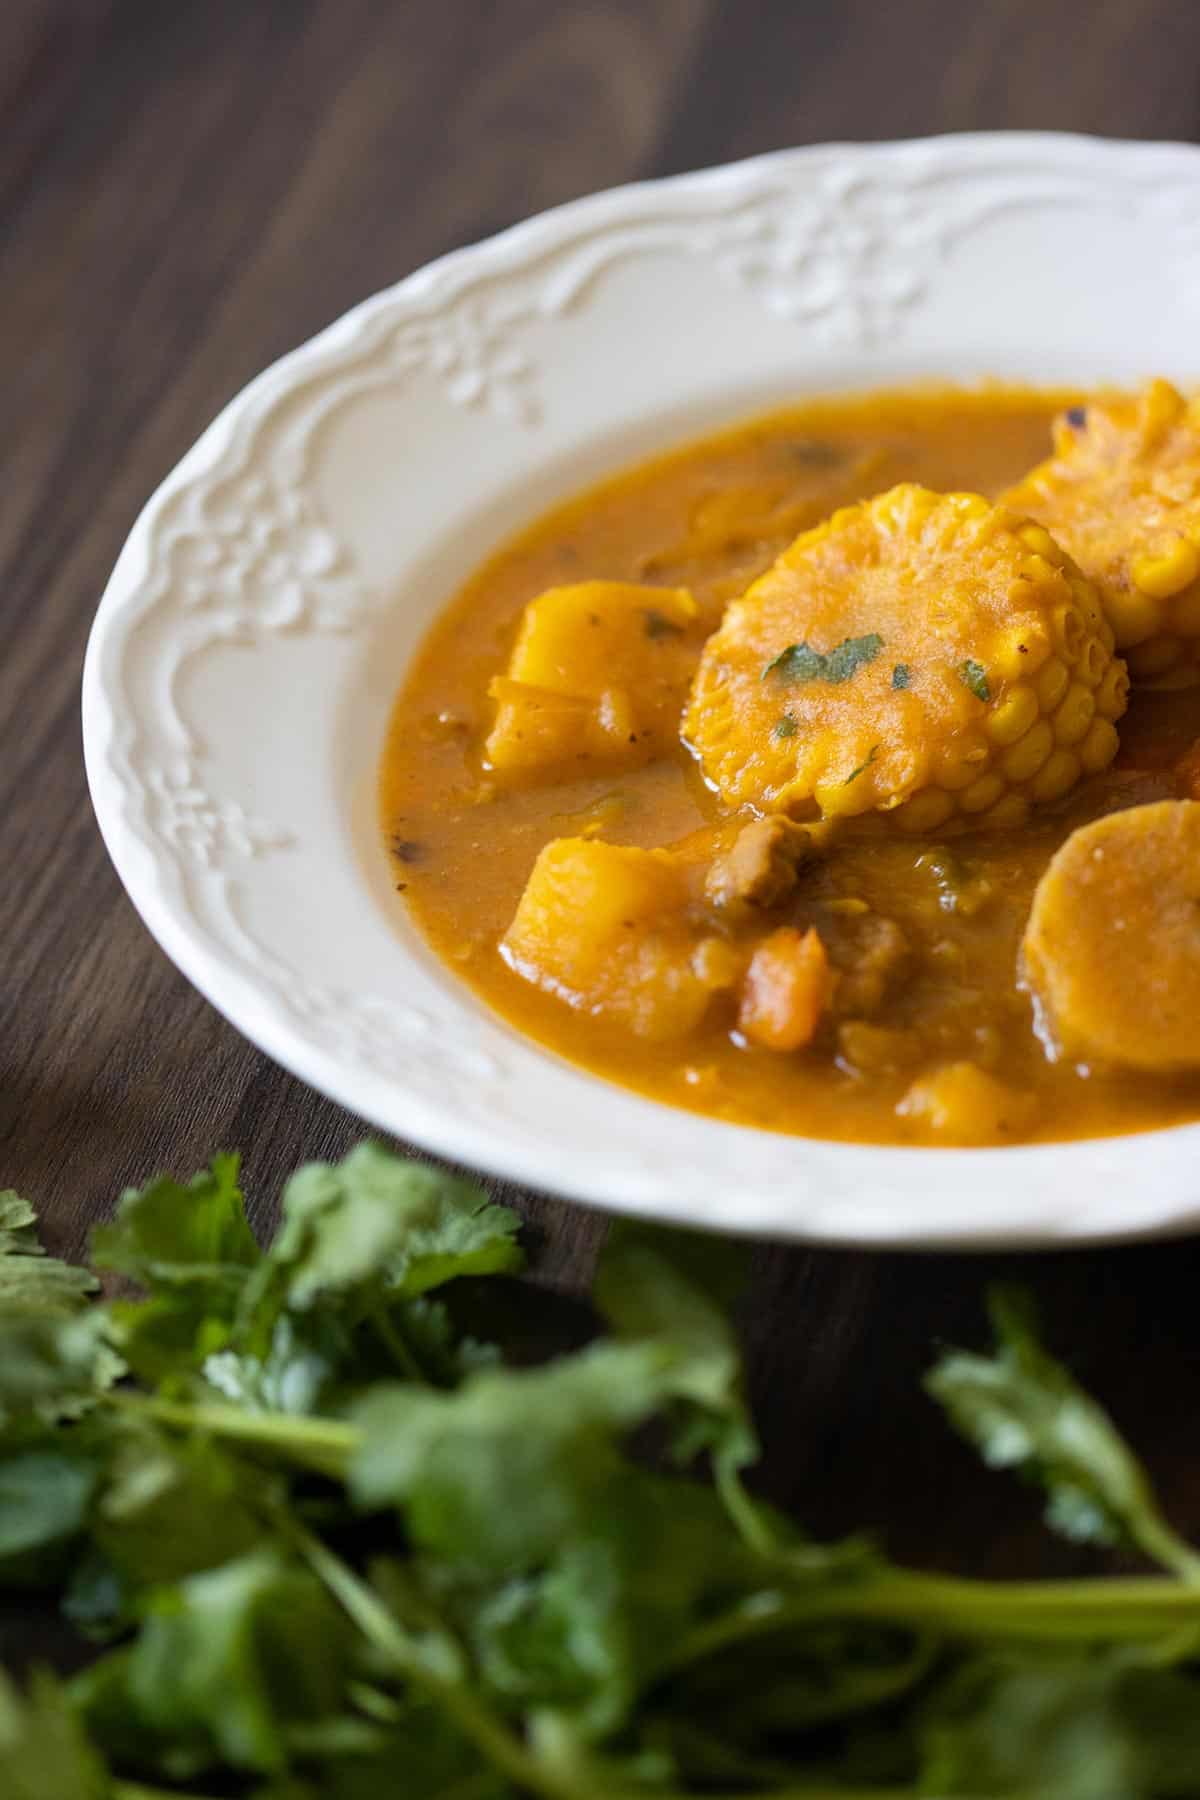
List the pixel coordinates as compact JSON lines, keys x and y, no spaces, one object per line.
{"x":1052,"y":1611}
{"x":323,"y":1445}
{"x":137,"y":1790}
{"x":395,"y":1344}
{"x":364,"y":1608}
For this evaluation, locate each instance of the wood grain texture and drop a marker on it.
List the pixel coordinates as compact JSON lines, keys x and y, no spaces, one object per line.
{"x":188,"y":190}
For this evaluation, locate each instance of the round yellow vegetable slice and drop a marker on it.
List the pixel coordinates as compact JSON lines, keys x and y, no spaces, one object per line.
{"x":1122,"y":493}
{"x":1112,"y":949}
{"x":927,"y":655}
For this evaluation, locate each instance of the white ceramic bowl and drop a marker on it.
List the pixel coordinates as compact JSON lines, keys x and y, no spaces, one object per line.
{"x":247,"y":649}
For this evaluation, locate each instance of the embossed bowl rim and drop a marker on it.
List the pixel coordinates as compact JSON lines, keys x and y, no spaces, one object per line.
{"x":854,"y":248}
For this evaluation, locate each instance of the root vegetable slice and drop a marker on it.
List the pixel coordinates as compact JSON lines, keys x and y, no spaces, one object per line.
{"x":1112,"y":948}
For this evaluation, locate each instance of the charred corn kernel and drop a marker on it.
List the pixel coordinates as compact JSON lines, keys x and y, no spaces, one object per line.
{"x":1121,"y":493}
{"x":1074,"y":715}
{"x":1059,"y":772}
{"x":1150,"y":660}
{"x":982,"y":793}
{"x":1183,"y":614}
{"x":1099,"y":746}
{"x":1027,"y":756}
{"x":1168,"y":571}
{"x":1134,"y":616}
{"x":1093,"y":661}
{"x":1008,"y":813}
{"x":1052,"y":683}
{"x":909,"y":643}
{"x":1113,"y":693}
{"x":925,"y":811}
{"x":1011,"y":718}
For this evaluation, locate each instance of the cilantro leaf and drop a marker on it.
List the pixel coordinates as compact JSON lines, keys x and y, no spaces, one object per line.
{"x":44,"y":1750}
{"x":169,"y":1232}
{"x":45,"y":1492}
{"x":675,"y":1288}
{"x":500,"y":1471}
{"x":800,"y":662}
{"x":901,"y":676}
{"x":226,"y":1663}
{"x":1022,"y":1410}
{"x":378,"y":1216}
{"x":1064,"y":1729}
{"x":28,"y":1277}
{"x":54,"y":1364}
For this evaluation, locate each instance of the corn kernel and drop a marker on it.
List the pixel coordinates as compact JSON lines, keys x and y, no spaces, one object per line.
{"x":960,"y":763}
{"x":1093,"y":661}
{"x":1039,"y":539}
{"x":1059,"y":772}
{"x":1099,"y":746}
{"x":1021,"y":650}
{"x":1008,"y":813}
{"x":1027,"y":756}
{"x":1184,"y":615}
{"x":1168,"y":571}
{"x":1012,"y":716}
{"x":845,"y":797}
{"x":1069,"y":630}
{"x":982,"y":793}
{"x":1160,"y":406}
{"x":925,"y":811}
{"x":1074,"y":716}
{"x":1149,"y":660}
{"x":1052,"y":683}
{"x":1112,"y":696}
{"x":1134,"y":616}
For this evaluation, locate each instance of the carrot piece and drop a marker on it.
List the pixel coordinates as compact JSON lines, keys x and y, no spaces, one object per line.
{"x":787,"y":988}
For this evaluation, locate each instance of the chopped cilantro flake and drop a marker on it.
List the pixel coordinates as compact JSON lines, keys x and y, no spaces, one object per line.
{"x":800,"y":662}
{"x":901,"y":675}
{"x":785,"y":727}
{"x":863,"y":766}
{"x":974,"y":676}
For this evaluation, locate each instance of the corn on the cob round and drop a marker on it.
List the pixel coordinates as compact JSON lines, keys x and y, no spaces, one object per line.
{"x":930,"y":656}
{"x":1121,"y":493}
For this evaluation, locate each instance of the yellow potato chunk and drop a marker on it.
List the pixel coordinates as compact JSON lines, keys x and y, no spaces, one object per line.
{"x":596,"y":679}
{"x":961,"y":1104}
{"x":1122,"y":494}
{"x":1112,"y":948}
{"x":605,"y":928}
{"x":924,"y":655}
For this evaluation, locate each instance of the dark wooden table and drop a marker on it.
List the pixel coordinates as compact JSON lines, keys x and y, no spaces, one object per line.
{"x":188,"y":190}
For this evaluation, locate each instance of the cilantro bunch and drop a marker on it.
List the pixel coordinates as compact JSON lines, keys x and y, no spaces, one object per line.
{"x":360,"y":1514}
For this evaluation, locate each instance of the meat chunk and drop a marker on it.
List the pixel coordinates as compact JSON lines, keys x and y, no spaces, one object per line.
{"x":874,"y":959}
{"x":760,"y":866}
{"x":928,"y":656}
{"x":1112,"y":948}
